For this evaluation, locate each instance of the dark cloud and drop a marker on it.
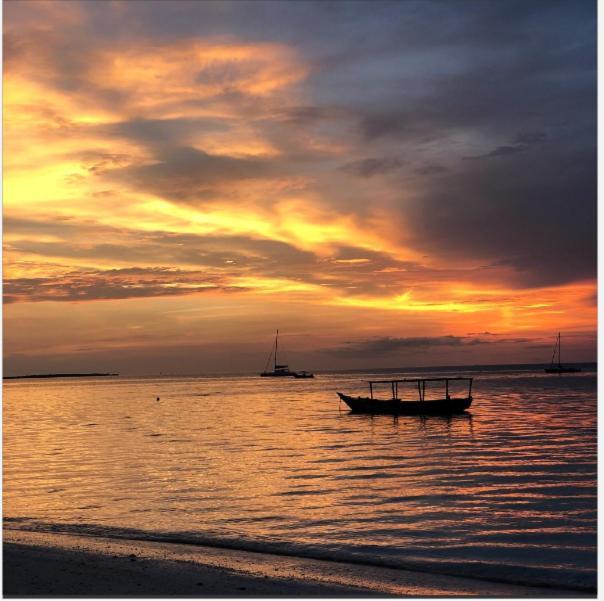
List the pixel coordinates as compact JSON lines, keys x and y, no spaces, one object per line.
{"x":502,"y":151}
{"x":86,"y":241}
{"x":306,"y":115}
{"x":188,"y":174}
{"x":86,"y":285}
{"x":372,"y":166}
{"x":431,"y":169}
{"x":502,"y":67}
{"x":62,"y":227}
{"x":226,"y":74}
{"x":537,"y":217}
{"x":98,"y":162}
{"x":530,"y":137}
{"x":390,"y":346}
{"x":522,"y":142}
{"x":172,"y":132}
{"x":530,"y":205}
{"x":387,"y":345}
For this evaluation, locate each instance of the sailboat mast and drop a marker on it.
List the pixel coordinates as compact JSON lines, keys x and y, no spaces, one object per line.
{"x":554,"y":353}
{"x":559,"y":351}
{"x":276,"y":345}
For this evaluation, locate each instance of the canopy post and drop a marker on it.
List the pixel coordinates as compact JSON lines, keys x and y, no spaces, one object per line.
{"x":421,"y":385}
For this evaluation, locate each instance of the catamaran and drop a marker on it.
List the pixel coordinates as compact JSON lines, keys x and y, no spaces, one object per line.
{"x":558,"y":368}
{"x":280,"y":371}
{"x":398,"y":406}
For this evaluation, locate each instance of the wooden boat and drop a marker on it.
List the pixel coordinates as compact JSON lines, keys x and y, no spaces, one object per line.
{"x":397,"y":406}
{"x":558,"y":368}
{"x":280,"y":371}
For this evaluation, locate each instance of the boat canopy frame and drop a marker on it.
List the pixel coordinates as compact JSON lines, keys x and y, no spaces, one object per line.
{"x":421,"y":385}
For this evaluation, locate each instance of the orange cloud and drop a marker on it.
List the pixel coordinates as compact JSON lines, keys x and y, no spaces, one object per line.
{"x":191,"y":172}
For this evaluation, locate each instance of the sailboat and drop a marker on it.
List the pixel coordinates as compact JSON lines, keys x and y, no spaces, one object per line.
{"x":280,"y":371}
{"x":558,"y":368}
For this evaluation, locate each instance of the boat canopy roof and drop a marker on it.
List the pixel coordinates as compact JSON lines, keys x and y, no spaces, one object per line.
{"x":419,"y":380}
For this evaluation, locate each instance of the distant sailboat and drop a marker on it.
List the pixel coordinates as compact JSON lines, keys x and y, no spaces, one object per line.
{"x":280,"y":371}
{"x":558,"y":368}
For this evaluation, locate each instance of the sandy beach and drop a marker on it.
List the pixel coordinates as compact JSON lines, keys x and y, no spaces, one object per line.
{"x":48,"y":564}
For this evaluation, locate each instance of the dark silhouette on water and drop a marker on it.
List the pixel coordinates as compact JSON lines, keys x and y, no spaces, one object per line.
{"x":303,"y":374}
{"x":559,"y":368}
{"x":96,"y":375}
{"x":396,"y":406}
{"x":280,"y":371}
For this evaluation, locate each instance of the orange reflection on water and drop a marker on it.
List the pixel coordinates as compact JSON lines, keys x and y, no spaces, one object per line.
{"x":278,"y":463}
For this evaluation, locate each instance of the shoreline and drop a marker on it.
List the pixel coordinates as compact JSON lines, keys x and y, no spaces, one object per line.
{"x":48,"y":376}
{"x":42,"y":564}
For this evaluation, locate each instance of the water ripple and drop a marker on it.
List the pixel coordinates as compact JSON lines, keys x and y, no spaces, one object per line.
{"x":280,"y":466}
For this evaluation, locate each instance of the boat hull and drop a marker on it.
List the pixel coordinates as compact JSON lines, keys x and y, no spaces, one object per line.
{"x":277,"y":374}
{"x":397,"y":407}
{"x":562,"y":370}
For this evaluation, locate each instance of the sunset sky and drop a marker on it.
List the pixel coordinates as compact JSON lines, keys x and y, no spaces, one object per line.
{"x":390,"y":184}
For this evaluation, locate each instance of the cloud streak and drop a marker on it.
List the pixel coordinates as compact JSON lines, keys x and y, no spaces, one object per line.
{"x":379,"y":347}
{"x":112,"y":284}
{"x":372,"y":167}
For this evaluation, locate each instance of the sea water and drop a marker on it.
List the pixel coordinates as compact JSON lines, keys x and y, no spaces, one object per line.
{"x":506,"y":491}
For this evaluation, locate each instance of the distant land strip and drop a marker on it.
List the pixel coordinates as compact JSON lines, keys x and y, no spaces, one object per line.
{"x":56,"y":376}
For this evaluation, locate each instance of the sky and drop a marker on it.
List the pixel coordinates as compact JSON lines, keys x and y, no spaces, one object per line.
{"x":391,"y":184}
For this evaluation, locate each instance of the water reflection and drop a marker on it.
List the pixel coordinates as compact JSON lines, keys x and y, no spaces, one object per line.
{"x":461,"y":422}
{"x":511,"y":482}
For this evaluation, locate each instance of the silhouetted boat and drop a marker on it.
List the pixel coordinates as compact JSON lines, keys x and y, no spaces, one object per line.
{"x":396,"y":406}
{"x":280,"y":371}
{"x":558,"y":368}
{"x":303,"y":374}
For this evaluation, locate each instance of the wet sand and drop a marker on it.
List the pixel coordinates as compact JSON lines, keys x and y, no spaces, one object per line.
{"x":51,"y":564}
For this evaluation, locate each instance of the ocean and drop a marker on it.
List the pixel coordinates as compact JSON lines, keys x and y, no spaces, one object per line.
{"x":505,"y":492}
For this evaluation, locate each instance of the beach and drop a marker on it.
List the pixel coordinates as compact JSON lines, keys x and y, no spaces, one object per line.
{"x":49,"y":564}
